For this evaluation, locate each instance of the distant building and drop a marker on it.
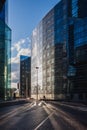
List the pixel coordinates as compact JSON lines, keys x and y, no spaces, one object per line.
{"x":18,"y":85}
{"x":59,"y":45}
{"x":5,"y":51}
{"x":25,"y":76}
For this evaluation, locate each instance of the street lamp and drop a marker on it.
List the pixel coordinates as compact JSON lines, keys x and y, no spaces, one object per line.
{"x":37,"y":84}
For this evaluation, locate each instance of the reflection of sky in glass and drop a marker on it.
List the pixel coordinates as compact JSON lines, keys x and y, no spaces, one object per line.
{"x":36,"y":58}
{"x":80,"y":34}
{"x":74,"y":8}
{"x":71,"y":71}
{"x":23,"y":57}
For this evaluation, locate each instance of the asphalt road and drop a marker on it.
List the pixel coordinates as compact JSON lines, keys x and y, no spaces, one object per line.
{"x":44,"y":116}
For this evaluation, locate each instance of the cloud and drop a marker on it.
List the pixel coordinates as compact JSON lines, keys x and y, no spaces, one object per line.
{"x":22,"y":47}
{"x":15,"y":76}
{"x":21,"y":44}
{"x":14,"y":85}
{"x":14,"y":60}
{"x":25,"y":51}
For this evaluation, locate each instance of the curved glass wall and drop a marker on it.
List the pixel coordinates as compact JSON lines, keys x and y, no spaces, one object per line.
{"x":5,"y":60}
{"x":63,"y":40}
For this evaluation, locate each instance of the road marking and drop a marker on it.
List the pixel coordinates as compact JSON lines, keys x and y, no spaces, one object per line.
{"x":21,"y":108}
{"x":5,"y":117}
{"x":71,"y":106}
{"x":72,"y":121}
{"x":44,"y":121}
{"x":77,"y":107}
{"x":53,"y":121}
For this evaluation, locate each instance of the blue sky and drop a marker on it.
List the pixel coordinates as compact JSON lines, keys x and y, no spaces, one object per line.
{"x":24,"y":16}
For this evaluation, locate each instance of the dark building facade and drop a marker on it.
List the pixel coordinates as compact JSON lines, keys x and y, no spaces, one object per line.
{"x":4,"y":11}
{"x":5,"y":52}
{"x":80,"y":60}
{"x":25,"y":76}
{"x":63,"y":36}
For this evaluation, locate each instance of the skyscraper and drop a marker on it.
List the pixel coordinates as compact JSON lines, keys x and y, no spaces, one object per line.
{"x":57,"y":43}
{"x":5,"y":52}
{"x":25,"y":76}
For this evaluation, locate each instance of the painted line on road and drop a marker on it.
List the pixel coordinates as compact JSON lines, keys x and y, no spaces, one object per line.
{"x":44,"y":121}
{"x":16,"y":109}
{"x":72,"y":106}
{"x":72,"y":121}
{"x":53,"y":121}
{"x":14,"y":112}
{"x":76,"y":107}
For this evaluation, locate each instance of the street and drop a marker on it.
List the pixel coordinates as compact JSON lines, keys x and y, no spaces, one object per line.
{"x":44,"y":116}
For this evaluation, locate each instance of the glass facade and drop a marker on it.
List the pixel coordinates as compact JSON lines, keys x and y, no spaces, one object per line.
{"x":48,"y":54}
{"x":36,"y":61}
{"x":60,"y":44}
{"x":51,"y":59}
{"x":5,"y":54}
{"x":76,"y":8}
{"x":80,"y":32}
{"x":77,"y":51}
{"x":80,"y":61}
{"x":4,"y":11}
{"x":25,"y":76}
{"x":63,"y":45}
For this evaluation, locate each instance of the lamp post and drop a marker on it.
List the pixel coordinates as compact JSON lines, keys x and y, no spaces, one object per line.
{"x":37,"y":84}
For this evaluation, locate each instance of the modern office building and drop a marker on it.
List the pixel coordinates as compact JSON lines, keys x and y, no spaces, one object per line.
{"x":5,"y":52}
{"x":25,"y":76}
{"x":54,"y":50}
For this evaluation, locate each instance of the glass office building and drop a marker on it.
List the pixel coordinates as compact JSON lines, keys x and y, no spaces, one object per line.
{"x":5,"y":53}
{"x":49,"y":54}
{"x":25,"y":76}
{"x":59,"y":38}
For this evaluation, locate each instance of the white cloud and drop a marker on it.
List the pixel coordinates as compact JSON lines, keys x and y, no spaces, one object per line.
{"x":14,"y":85}
{"x":24,"y":52}
{"x":15,"y":60}
{"x":15,"y":76}
{"x":14,"y":79}
{"x":19,"y":45}
{"x":22,"y":47}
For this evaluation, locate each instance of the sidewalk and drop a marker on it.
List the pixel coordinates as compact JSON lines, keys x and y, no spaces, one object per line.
{"x":83,"y":104}
{"x":14,"y":102}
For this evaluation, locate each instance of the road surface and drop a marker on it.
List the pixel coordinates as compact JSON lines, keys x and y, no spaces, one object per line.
{"x":44,"y":116}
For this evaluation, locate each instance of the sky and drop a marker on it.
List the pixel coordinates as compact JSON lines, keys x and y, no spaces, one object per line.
{"x":24,"y":16}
